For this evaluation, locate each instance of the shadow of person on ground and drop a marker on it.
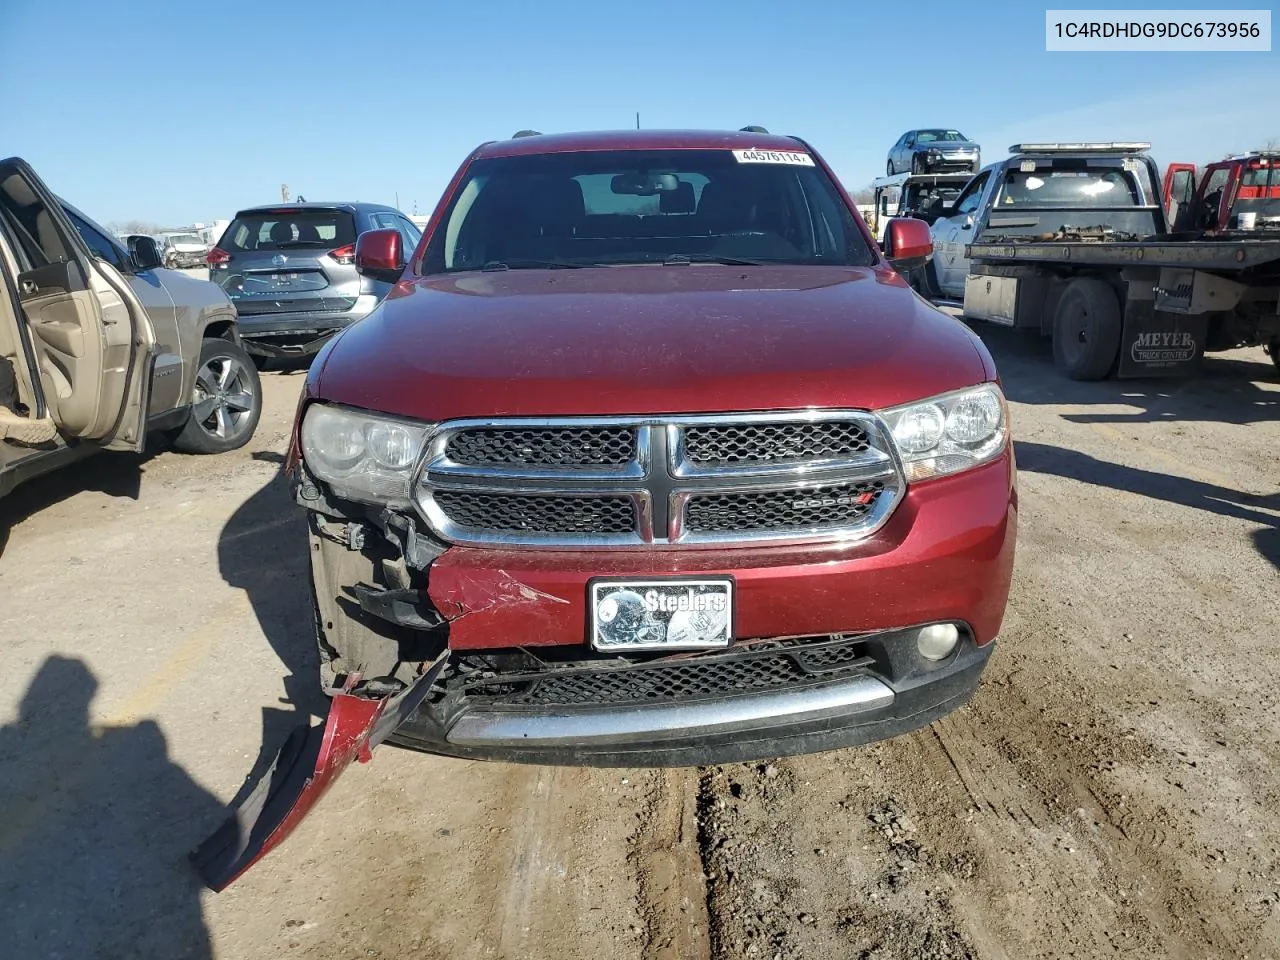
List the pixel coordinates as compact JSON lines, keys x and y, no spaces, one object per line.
{"x":262,"y":550}
{"x":1223,"y":501}
{"x":95,"y":829}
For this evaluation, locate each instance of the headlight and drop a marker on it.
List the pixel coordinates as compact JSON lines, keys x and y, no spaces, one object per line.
{"x":362,"y":456}
{"x":949,"y":433}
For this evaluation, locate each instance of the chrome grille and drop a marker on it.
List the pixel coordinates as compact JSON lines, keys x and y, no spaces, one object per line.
{"x":770,"y":442}
{"x":662,"y":481}
{"x":830,"y":506}
{"x":538,"y":513}
{"x":547,"y":446}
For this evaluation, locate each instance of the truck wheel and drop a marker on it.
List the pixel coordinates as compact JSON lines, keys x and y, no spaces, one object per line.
{"x":226,"y":402}
{"x":1086,"y":329}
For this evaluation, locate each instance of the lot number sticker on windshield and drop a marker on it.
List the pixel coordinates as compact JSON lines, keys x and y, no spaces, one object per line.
{"x":789,"y":157}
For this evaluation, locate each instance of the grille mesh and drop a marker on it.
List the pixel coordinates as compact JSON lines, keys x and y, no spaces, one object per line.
{"x":538,"y":513}
{"x":734,"y":444}
{"x":835,"y":505}
{"x":543,"y":446}
{"x":712,"y":675}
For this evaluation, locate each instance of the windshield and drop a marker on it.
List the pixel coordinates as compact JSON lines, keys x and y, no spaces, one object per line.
{"x":185,"y":238}
{"x":936,"y":136}
{"x":289,"y":229}
{"x":1068,"y":188}
{"x":1259,"y":192}
{"x":628,"y":206}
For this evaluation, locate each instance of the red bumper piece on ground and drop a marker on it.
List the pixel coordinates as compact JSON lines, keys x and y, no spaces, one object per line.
{"x":312,"y":758}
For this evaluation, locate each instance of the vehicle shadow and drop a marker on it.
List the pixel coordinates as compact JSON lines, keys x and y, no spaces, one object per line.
{"x":1242,"y":387}
{"x":115,"y":474}
{"x":262,"y":550}
{"x":1222,"y":501}
{"x":96,"y":824}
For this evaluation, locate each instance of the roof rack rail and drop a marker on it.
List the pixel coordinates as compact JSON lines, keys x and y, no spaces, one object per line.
{"x":1112,"y":146}
{"x":526,"y":133}
{"x":752,"y":129}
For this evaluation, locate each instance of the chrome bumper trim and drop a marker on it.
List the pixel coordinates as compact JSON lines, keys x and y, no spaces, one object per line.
{"x":493,"y":728}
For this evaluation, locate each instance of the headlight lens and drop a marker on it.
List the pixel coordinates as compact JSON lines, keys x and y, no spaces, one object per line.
{"x":362,"y":456}
{"x":949,"y":433}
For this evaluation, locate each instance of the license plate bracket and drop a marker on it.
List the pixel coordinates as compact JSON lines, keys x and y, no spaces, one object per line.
{"x":660,"y":613}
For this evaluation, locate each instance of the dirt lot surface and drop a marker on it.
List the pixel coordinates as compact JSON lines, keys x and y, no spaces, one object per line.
{"x":1112,"y":790}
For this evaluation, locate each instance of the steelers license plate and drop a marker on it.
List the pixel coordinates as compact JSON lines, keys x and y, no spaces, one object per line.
{"x":667,"y":614}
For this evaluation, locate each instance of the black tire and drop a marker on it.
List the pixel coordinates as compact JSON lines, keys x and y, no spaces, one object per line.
{"x":1086,"y":330}
{"x":917,"y":164}
{"x":888,"y":169}
{"x":226,"y":402}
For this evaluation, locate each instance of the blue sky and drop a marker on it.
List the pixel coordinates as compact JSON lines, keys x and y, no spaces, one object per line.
{"x":176,"y":112}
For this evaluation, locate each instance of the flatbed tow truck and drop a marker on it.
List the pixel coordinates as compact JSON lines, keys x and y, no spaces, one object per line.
{"x":1119,"y":303}
{"x":919,"y":195}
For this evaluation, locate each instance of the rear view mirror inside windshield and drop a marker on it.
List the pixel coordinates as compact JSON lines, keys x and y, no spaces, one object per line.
{"x":644,"y":184}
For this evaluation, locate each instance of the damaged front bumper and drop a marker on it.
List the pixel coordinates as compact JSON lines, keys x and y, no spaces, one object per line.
{"x":312,"y":758}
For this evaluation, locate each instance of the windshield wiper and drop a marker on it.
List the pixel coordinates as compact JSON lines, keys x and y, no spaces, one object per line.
{"x":679,"y":258}
{"x":496,"y":265}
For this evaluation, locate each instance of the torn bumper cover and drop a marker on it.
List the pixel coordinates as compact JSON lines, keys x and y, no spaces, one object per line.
{"x":312,"y":758}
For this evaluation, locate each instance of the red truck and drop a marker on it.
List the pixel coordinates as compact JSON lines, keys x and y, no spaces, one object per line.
{"x":650,"y":457}
{"x":1247,"y":185}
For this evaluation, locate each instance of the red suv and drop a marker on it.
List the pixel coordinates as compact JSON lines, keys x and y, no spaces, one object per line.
{"x":654,"y":458}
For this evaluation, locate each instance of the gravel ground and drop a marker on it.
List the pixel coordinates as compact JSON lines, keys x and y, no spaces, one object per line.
{"x":1112,"y":790}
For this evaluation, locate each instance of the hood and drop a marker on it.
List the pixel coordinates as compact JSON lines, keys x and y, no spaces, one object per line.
{"x":648,"y":340}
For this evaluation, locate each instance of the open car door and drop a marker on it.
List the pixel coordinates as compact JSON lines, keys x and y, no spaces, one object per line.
{"x":1179,"y":192}
{"x":94,"y":345}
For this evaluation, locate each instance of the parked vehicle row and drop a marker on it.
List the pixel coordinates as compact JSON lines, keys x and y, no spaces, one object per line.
{"x":1075,"y":240}
{"x":101,"y":347}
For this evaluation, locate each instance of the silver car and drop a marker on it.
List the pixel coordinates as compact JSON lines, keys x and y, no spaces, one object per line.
{"x":290,"y":271}
{"x":933,"y":150}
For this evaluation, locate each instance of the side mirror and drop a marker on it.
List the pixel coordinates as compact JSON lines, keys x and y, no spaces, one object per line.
{"x":380,"y":255}
{"x":907,"y":243}
{"x":144,"y":252}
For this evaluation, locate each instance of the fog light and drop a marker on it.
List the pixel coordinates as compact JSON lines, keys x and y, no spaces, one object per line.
{"x":936,"y":641}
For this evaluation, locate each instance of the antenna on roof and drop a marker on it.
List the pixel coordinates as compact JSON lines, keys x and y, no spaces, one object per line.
{"x":753,"y":129}
{"x":525,"y":133}
{"x":637,"y":119}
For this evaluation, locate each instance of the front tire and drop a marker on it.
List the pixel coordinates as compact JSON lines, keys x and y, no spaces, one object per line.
{"x":1086,"y":329}
{"x":888,"y":169}
{"x":917,"y":164}
{"x":226,"y":402}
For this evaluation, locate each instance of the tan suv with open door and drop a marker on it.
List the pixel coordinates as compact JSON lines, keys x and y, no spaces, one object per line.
{"x":100,"y":346}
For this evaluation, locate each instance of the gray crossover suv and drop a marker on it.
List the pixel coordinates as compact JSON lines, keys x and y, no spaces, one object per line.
{"x":290,"y":271}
